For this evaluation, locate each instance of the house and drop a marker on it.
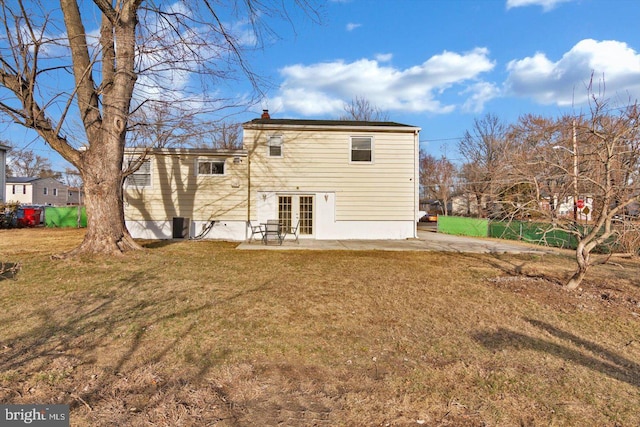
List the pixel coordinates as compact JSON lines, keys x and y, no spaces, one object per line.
{"x":3,"y":172}
{"x":75,"y":196}
{"x":36,"y":191}
{"x":334,"y":179}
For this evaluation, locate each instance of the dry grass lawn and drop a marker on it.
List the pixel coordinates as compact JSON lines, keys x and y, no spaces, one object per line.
{"x":199,"y":333}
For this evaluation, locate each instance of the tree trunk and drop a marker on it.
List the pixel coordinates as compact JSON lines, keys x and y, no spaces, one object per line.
{"x":582,"y":259}
{"x":104,"y":111}
{"x":101,"y":170}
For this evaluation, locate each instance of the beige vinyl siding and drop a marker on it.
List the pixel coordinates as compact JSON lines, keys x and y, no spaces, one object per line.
{"x":319,"y":160}
{"x":177,"y":191}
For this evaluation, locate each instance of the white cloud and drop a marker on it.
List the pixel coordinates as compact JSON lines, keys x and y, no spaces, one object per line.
{"x":547,"y":5}
{"x":481,"y":93}
{"x":352,"y":26}
{"x":323,"y":88}
{"x":564,"y":82}
{"x":384,"y":57}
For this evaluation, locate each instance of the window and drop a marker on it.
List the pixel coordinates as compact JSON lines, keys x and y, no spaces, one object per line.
{"x":45,"y":191}
{"x":142,"y":176}
{"x":24,"y":189}
{"x":361,"y":149}
{"x":275,"y":146}
{"x":14,"y":189}
{"x":55,"y":191}
{"x":211,"y":167}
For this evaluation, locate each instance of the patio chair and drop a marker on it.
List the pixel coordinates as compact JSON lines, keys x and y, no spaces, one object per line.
{"x":255,"y":229}
{"x":272,"y":231}
{"x":294,"y":231}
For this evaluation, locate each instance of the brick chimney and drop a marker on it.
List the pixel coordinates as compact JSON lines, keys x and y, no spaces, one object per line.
{"x":265,"y":115}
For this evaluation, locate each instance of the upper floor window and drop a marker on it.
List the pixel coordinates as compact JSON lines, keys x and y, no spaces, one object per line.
{"x":275,"y":146}
{"x":141,"y":177}
{"x":45,"y":191}
{"x":361,"y":149}
{"x":211,"y":167}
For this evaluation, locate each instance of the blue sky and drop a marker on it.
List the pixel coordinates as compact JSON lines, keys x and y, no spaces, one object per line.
{"x":439,"y":64}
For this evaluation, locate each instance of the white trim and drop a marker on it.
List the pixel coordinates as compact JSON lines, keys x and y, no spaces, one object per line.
{"x":147,"y":160}
{"x":211,"y":160}
{"x":362,"y":162}
{"x":269,"y":145}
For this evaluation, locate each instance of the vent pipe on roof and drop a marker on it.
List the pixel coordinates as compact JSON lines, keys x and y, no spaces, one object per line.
{"x":265,"y":114}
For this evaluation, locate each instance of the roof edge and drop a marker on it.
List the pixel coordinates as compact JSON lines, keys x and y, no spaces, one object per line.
{"x":327,"y":124}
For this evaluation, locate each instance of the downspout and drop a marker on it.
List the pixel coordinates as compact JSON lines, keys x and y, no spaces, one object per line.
{"x":416,"y":185}
{"x":246,"y":228}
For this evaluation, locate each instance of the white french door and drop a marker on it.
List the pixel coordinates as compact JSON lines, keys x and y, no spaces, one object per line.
{"x":296,"y":207}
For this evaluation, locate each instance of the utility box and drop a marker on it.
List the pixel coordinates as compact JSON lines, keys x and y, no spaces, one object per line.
{"x":181,"y":227}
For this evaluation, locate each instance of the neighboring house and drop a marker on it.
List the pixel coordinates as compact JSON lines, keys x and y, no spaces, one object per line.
{"x":36,"y":191}
{"x":3,"y":172}
{"x":464,"y":205}
{"x":565,"y":207}
{"x":336,"y":179}
{"x":75,"y":196}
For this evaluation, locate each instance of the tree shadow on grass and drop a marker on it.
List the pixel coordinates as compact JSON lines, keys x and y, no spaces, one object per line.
{"x":157,"y":244}
{"x":601,"y":359}
{"x":135,"y":382}
{"x":518,"y":266}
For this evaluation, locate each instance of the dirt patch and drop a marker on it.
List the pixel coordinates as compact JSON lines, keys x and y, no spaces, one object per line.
{"x":610,"y":295}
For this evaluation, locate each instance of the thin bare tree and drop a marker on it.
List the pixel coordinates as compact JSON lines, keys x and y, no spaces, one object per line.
{"x":437,"y":179}
{"x":361,"y":109}
{"x":26,"y":163}
{"x":485,"y":149}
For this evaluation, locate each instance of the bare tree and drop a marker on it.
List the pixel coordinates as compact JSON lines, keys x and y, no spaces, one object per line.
{"x":121,"y":55}
{"x":486,"y":150}
{"x":535,"y":180}
{"x":611,"y":161}
{"x":24,"y":162}
{"x":437,"y":178}
{"x":223,"y":135}
{"x":228,"y":136}
{"x":160,"y":125}
{"x":596,"y":157}
{"x":361,"y":109}
{"x":72,"y":178}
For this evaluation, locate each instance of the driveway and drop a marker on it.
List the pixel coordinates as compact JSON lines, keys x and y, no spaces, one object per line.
{"x":426,"y":241}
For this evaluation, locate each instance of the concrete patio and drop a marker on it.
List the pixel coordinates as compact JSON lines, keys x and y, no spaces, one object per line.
{"x":426,"y":241}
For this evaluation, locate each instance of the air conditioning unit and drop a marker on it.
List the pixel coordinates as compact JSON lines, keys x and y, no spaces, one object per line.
{"x":181,"y":227}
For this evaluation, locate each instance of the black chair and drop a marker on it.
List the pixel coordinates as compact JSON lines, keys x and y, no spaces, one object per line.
{"x":294,"y":231}
{"x":255,"y":229}
{"x":272,"y":231}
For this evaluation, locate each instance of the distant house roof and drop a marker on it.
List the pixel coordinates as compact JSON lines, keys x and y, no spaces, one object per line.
{"x":21,"y":179}
{"x":4,"y":148}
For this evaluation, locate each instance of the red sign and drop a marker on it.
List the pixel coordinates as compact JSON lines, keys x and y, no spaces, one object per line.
{"x":580,"y":204}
